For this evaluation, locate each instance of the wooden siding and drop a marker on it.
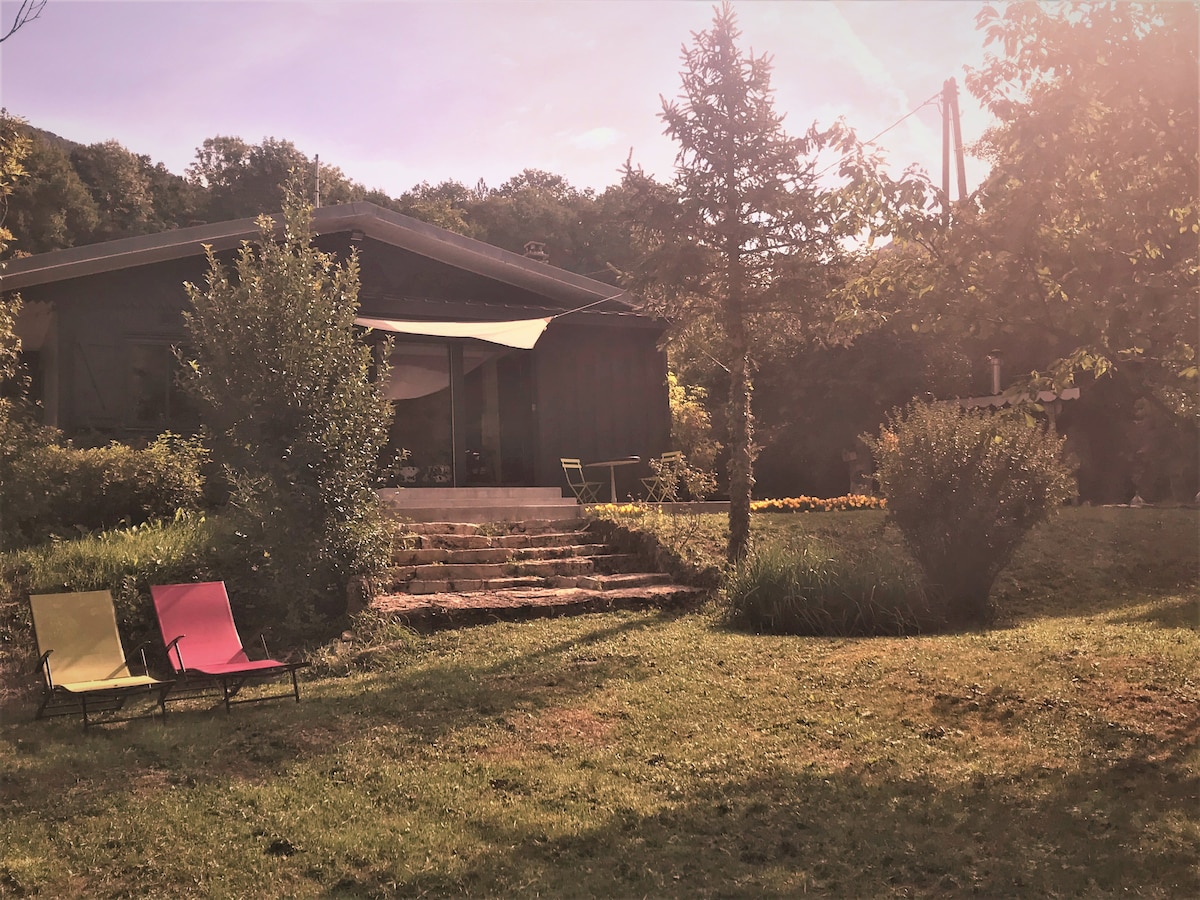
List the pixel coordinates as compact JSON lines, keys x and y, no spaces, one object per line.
{"x":601,"y":393}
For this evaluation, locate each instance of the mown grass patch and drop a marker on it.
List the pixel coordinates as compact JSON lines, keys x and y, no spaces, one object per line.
{"x":649,"y":754}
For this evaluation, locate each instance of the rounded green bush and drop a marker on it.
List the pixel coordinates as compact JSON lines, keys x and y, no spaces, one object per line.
{"x":964,"y":487}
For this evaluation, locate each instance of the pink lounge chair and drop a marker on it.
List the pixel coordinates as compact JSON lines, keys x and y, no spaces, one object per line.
{"x":204,"y":646}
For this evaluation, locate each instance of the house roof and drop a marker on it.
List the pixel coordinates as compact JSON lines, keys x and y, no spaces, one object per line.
{"x":558,"y":285}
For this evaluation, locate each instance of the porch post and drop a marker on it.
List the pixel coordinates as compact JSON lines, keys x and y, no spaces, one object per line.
{"x":458,"y":413}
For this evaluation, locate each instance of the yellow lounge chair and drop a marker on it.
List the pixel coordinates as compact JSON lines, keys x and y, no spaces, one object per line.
{"x":82,"y":663}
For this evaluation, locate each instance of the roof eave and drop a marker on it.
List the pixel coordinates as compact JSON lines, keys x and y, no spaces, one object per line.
{"x":380,"y":224}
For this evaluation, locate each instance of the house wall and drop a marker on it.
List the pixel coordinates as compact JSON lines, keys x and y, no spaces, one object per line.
{"x":598,"y":382}
{"x":106,"y":364}
{"x":601,"y":393}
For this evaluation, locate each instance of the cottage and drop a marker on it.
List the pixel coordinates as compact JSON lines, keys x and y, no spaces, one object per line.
{"x":501,"y":364}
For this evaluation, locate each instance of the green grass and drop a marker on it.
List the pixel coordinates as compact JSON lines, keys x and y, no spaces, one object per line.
{"x":643,"y":754}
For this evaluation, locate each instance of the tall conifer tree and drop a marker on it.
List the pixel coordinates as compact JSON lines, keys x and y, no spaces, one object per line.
{"x":744,"y":238}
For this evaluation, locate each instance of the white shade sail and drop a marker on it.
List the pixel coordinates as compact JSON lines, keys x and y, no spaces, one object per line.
{"x":521,"y":333}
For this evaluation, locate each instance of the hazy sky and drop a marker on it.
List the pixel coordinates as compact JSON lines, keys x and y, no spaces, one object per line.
{"x":395,"y":92}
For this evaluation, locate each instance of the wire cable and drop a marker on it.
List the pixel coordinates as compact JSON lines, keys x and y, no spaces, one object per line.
{"x":868,"y":143}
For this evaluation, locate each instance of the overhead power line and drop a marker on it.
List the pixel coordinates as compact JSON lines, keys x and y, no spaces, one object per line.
{"x":867,"y":143}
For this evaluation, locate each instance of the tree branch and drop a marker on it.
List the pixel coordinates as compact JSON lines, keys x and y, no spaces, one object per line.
{"x":27,"y":12}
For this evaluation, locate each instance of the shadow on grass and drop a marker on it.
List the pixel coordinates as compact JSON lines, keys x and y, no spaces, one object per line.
{"x":783,"y":833}
{"x":1181,"y":613}
{"x":199,"y":742}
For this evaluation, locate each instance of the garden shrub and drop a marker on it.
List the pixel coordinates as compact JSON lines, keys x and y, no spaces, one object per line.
{"x":124,"y":561}
{"x":295,"y":418}
{"x":964,"y":487}
{"x":808,"y":589}
{"x":50,"y":489}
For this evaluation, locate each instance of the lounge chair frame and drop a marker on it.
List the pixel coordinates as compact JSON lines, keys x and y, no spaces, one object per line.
{"x":90,"y":674}
{"x":203,"y":676}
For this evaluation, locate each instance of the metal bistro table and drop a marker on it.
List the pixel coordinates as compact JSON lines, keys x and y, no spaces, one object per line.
{"x":611,"y":465}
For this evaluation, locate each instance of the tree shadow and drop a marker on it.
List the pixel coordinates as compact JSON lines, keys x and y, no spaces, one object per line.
{"x":1181,"y":613}
{"x":799,"y":830}
{"x":431,"y":701}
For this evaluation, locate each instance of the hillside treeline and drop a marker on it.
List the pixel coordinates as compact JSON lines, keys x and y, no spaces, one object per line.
{"x":75,"y":194}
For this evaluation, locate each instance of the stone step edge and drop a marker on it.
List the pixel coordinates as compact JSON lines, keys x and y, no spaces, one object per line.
{"x":456,"y":609}
{"x":424,"y":556}
{"x":489,"y":514}
{"x":548,"y":540}
{"x":528,"y":526}
{"x":591,"y":582}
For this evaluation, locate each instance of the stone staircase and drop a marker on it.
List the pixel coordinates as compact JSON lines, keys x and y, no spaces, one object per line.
{"x":448,"y":574}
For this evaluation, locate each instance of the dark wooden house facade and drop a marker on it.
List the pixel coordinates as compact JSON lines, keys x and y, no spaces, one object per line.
{"x":100,"y":324}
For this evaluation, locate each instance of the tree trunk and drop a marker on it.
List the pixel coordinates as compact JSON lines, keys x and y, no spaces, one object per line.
{"x":741,"y":434}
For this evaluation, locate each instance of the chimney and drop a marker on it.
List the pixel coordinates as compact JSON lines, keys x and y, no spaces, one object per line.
{"x":994,"y":359}
{"x":536,"y":250}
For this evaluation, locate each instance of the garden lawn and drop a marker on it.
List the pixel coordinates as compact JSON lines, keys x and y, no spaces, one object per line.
{"x":639,"y":754}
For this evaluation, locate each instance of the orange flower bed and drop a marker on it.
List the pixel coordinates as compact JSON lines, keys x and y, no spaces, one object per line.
{"x":818,"y":504}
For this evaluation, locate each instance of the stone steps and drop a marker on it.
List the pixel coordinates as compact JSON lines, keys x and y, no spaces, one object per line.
{"x":458,"y":609}
{"x":455,"y":573}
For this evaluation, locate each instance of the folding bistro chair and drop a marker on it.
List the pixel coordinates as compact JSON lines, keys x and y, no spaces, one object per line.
{"x":585,"y":491}
{"x":663,"y":485}
{"x":204,"y":646}
{"x":82,"y":662}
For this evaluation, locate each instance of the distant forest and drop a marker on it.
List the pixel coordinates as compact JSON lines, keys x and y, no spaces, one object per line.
{"x":77,"y":194}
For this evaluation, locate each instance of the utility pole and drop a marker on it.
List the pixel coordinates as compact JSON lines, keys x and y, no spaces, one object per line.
{"x":947,"y":93}
{"x":317,"y":166}
{"x":950,"y":121}
{"x":958,"y":145}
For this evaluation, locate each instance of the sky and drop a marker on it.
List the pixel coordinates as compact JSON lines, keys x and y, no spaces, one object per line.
{"x":397,"y":92}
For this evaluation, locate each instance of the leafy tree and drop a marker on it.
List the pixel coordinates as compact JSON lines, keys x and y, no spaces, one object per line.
{"x":19,"y":434}
{"x":52,"y":207}
{"x":537,"y":206}
{"x":447,"y":205}
{"x":284,"y":388}
{"x":120,"y":187}
{"x":1078,"y":255}
{"x":27,"y":11}
{"x":815,"y":400}
{"x":177,"y":203}
{"x":745,"y":237}
{"x":691,"y":426}
{"x":247,"y":179}
{"x":14,"y":145}
{"x":964,"y":487}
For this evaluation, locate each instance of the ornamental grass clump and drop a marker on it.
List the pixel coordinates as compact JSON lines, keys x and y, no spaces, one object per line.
{"x":964,"y":487}
{"x":809,"y":589}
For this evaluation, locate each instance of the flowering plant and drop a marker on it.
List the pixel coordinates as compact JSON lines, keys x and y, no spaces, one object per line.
{"x":817,"y":504}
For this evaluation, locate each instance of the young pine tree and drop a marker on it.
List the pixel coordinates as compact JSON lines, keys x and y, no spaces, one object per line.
{"x":744,"y":240}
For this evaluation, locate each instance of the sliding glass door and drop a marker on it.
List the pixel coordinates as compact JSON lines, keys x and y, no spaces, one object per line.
{"x":463,"y":415}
